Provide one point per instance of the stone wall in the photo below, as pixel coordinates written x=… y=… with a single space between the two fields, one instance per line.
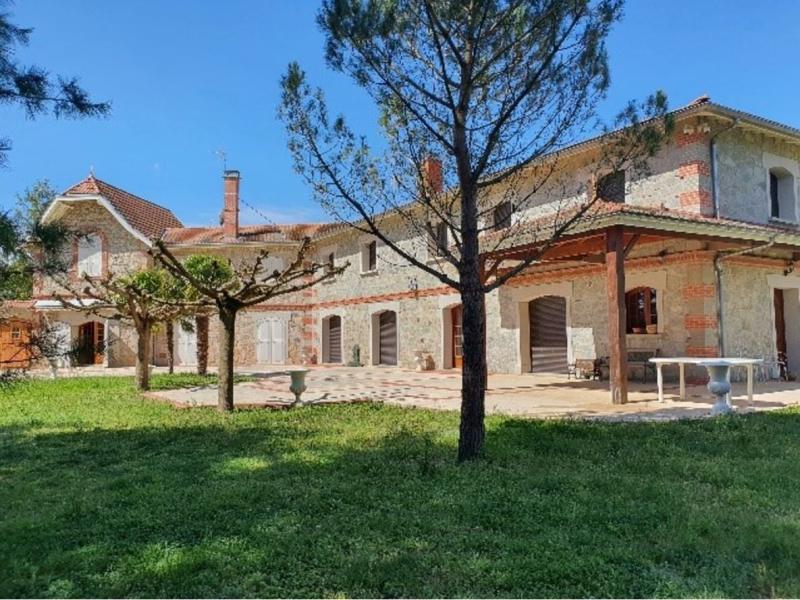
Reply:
x=123 y=253
x=743 y=175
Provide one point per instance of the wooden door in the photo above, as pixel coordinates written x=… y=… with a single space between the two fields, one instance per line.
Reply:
x=548 y=334
x=388 y=338
x=456 y=318
x=91 y=343
x=14 y=350
x=780 y=331
x=334 y=349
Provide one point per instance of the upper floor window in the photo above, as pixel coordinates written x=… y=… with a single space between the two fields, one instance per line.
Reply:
x=611 y=187
x=641 y=310
x=502 y=215
x=438 y=246
x=330 y=262
x=90 y=255
x=781 y=194
x=369 y=256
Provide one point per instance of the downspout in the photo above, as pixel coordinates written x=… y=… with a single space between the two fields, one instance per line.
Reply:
x=718 y=258
x=714 y=169
x=719 y=255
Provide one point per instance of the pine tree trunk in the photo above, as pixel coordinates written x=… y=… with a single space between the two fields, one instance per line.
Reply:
x=143 y=355
x=473 y=375
x=201 y=327
x=227 y=320
x=170 y=347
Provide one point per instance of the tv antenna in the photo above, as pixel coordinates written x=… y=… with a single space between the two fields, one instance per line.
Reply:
x=222 y=155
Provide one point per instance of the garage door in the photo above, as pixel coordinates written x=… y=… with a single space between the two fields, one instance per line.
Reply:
x=548 y=328
x=334 y=349
x=271 y=341
x=388 y=338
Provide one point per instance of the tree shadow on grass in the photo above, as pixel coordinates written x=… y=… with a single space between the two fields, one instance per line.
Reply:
x=299 y=508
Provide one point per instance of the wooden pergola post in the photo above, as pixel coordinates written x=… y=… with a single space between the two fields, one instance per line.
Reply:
x=615 y=279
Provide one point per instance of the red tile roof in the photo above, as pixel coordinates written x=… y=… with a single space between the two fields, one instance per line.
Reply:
x=146 y=217
x=247 y=233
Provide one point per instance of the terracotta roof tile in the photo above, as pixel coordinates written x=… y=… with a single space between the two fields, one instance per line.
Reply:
x=146 y=217
x=247 y=234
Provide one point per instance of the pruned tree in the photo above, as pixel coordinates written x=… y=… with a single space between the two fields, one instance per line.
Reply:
x=143 y=298
x=210 y=271
x=478 y=101
x=229 y=290
x=32 y=87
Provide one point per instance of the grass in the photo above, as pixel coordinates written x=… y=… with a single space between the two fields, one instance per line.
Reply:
x=167 y=381
x=105 y=494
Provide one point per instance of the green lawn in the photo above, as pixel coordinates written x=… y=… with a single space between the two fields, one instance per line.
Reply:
x=105 y=494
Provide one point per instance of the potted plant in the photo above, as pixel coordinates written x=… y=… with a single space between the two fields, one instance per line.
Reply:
x=652 y=328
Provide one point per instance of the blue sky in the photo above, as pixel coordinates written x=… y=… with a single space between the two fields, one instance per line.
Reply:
x=187 y=78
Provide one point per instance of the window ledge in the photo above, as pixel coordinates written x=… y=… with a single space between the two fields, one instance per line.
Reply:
x=780 y=221
x=369 y=273
x=645 y=335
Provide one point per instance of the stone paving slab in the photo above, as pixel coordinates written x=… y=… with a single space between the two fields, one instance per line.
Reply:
x=536 y=396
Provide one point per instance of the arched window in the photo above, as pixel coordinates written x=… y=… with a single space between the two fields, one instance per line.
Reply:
x=642 y=313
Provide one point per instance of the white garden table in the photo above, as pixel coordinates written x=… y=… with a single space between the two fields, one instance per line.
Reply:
x=709 y=363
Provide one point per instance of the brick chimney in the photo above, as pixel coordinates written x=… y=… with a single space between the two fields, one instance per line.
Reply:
x=432 y=174
x=230 y=210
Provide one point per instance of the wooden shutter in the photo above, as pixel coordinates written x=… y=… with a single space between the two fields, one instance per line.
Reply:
x=335 y=339
x=388 y=338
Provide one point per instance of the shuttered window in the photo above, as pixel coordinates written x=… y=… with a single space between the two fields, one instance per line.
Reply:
x=90 y=255
x=388 y=338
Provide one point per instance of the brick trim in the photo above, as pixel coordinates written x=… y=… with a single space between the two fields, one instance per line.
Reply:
x=694 y=168
x=702 y=351
x=696 y=198
x=694 y=322
x=698 y=291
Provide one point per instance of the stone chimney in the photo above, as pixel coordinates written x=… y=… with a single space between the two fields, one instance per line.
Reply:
x=432 y=174
x=230 y=210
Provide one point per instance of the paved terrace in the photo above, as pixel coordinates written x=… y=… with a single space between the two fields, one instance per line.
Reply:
x=537 y=396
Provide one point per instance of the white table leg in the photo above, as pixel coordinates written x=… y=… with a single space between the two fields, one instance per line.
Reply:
x=750 y=383
x=660 y=381
x=682 y=381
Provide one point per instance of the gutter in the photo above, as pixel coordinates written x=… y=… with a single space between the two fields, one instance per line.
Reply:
x=718 y=258
x=714 y=169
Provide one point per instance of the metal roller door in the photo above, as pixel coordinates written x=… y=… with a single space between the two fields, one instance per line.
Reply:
x=548 y=328
x=334 y=339
x=388 y=338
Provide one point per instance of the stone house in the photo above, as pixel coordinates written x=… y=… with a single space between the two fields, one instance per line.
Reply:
x=695 y=258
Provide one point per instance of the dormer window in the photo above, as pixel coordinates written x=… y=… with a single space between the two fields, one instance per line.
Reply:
x=781 y=194
x=611 y=187
x=502 y=215
x=90 y=255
